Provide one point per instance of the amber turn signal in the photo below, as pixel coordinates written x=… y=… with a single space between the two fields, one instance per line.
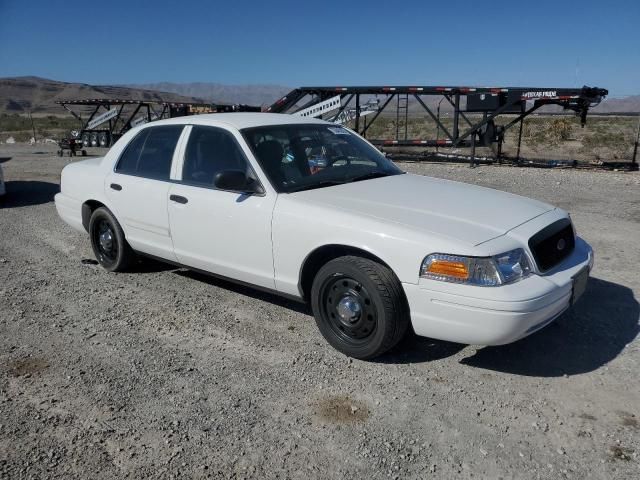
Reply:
x=449 y=268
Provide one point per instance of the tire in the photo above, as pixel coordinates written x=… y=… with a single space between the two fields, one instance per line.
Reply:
x=108 y=242
x=359 y=306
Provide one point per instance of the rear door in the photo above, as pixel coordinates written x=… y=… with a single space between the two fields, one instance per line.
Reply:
x=224 y=232
x=138 y=189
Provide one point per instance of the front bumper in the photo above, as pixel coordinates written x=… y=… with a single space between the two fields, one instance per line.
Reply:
x=495 y=315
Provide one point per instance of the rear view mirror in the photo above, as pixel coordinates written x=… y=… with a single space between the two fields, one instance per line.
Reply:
x=236 y=180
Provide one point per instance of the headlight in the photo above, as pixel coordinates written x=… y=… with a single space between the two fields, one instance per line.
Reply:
x=507 y=267
x=513 y=265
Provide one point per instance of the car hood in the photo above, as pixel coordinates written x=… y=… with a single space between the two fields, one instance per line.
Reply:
x=467 y=213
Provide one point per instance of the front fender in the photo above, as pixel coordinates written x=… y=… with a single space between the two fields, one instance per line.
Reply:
x=300 y=227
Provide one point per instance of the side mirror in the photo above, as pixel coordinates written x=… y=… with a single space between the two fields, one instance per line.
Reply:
x=236 y=180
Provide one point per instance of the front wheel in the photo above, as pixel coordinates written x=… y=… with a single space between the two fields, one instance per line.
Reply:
x=107 y=240
x=359 y=306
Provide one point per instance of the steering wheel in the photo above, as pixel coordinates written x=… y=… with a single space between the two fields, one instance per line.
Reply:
x=338 y=158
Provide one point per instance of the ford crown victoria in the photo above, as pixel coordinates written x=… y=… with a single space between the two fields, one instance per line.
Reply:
x=311 y=210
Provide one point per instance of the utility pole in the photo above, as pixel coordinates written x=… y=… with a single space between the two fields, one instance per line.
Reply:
x=635 y=147
x=519 y=143
x=33 y=127
x=438 y=125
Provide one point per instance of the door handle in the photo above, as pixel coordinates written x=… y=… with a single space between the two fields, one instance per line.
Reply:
x=178 y=199
x=115 y=186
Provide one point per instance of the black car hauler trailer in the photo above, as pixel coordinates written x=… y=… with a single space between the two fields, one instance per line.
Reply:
x=474 y=116
x=109 y=119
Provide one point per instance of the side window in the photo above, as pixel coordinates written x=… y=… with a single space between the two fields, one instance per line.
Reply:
x=150 y=153
x=210 y=151
x=128 y=162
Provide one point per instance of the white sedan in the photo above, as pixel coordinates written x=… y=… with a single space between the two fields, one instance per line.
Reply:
x=312 y=211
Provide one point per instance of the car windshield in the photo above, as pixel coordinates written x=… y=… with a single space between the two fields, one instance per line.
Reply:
x=306 y=156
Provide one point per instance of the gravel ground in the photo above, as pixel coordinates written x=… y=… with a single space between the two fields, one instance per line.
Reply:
x=164 y=373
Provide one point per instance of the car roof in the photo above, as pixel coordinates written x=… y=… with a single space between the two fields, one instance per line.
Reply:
x=238 y=120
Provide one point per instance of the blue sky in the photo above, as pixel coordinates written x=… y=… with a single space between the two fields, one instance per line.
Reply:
x=506 y=43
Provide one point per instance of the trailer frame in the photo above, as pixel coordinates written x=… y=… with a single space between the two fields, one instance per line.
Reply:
x=491 y=103
x=130 y=113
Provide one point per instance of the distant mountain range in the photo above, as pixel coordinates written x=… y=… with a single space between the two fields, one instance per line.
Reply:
x=625 y=104
x=38 y=95
x=23 y=94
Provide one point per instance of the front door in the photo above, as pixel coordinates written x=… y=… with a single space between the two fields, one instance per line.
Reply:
x=224 y=232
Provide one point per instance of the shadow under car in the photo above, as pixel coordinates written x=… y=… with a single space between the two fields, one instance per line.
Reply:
x=586 y=337
x=24 y=193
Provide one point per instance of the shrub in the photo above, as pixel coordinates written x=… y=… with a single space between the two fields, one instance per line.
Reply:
x=560 y=129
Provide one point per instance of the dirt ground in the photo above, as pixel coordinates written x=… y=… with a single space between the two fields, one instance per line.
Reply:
x=163 y=373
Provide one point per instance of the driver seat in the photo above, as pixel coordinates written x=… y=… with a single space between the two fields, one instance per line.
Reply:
x=270 y=153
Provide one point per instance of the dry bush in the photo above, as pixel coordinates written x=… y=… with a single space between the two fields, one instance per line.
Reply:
x=559 y=129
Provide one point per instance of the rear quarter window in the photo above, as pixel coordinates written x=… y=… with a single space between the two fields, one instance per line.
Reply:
x=150 y=153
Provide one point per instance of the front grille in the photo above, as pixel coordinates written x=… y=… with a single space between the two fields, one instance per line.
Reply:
x=552 y=244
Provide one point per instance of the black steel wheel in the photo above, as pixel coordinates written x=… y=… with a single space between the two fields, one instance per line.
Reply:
x=346 y=304
x=108 y=242
x=359 y=306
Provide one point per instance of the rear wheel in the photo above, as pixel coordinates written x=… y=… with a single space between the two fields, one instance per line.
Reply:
x=359 y=306
x=107 y=240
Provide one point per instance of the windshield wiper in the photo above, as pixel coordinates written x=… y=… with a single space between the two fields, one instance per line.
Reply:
x=370 y=175
x=330 y=183
x=311 y=186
